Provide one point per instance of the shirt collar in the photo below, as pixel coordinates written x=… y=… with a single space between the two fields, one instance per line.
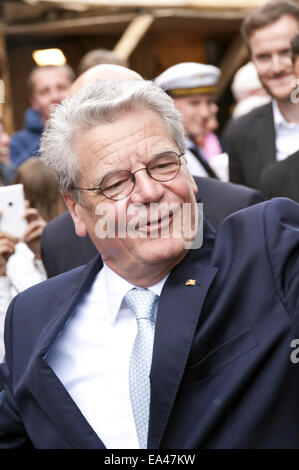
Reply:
x=117 y=287
x=189 y=143
x=278 y=118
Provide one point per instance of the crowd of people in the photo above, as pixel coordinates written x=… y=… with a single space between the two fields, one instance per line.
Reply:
x=153 y=341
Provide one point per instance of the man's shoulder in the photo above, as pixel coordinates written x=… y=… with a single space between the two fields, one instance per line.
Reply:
x=57 y=284
x=60 y=223
x=210 y=185
x=284 y=171
x=267 y=219
x=32 y=125
x=289 y=163
x=230 y=198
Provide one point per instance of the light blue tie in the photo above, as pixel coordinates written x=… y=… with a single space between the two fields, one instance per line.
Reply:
x=142 y=302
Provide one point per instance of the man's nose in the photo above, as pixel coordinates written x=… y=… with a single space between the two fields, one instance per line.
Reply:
x=146 y=188
x=205 y=110
x=57 y=95
x=277 y=63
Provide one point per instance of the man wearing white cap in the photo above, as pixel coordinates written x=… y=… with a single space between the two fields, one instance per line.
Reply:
x=192 y=86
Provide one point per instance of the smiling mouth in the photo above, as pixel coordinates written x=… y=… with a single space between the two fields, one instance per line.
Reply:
x=282 y=76
x=155 y=224
x=160 y=223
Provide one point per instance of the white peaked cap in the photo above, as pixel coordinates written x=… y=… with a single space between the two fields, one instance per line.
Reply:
x=189 y=78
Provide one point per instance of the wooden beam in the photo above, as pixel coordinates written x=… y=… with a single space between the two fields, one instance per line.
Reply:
x=207 y=4
x=133 y=35
x=231 y=62
x=6 y=105
x=114 y=22
x=70 y=26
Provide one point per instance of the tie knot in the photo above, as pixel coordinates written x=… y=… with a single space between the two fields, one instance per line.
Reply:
x=142 y=302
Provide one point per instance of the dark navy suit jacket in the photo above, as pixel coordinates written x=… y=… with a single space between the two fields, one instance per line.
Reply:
x=250 y=142
x=221 y=373
x=281 y=178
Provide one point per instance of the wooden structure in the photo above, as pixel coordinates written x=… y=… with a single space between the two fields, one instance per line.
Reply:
x=151 y=34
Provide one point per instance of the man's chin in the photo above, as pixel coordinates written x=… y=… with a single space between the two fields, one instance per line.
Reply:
x=280 y=92
x=155 y=251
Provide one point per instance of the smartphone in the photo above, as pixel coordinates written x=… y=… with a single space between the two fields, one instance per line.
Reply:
x=12 y=208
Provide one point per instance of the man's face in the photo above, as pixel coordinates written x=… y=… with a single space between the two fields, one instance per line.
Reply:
x=129 y=144
x=50 y=87
x=271 y=53
x=296 y=66
x=4 y=145
x=196 y=112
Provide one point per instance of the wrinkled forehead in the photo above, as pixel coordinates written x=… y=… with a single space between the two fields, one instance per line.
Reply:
x=132 y=135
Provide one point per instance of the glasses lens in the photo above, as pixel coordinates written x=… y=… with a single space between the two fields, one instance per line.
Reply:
x=165 y=166
x=117 y=185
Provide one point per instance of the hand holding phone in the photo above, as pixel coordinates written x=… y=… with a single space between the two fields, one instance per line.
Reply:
x=12 y=209
x=7 y=248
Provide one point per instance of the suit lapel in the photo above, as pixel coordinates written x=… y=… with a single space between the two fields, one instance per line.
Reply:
x=178 y=314
x=177 y=318
x=266 y=136
x=44 y=384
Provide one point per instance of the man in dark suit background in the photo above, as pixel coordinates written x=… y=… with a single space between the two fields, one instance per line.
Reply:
x=63 y=250
x=219 y=341
x=281 y=178
x=270 y=132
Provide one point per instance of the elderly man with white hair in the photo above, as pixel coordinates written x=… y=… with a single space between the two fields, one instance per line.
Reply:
x=163 y=341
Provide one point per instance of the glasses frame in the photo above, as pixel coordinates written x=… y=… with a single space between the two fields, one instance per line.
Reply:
x=98 y=188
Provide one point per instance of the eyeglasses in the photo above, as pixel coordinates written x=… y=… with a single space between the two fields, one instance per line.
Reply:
x=120 y=184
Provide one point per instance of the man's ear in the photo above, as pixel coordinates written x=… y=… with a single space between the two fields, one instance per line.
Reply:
x=189 y=177
x=75 y=209
x=193 y=184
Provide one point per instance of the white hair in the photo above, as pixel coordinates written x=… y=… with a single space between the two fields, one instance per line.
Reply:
x=102 y=101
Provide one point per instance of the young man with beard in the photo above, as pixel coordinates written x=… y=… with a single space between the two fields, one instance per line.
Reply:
x=269 y=133
x=281 y=178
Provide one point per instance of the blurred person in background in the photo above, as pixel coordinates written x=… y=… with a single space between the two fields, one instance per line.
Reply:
x=20 y=260
x=7 y=169
x=247 y=90
x=209 y=142
x=270 y=132
x=281 y=178
x=47 y=87
x=192 y=87
x=98 y=57
x=41 y=188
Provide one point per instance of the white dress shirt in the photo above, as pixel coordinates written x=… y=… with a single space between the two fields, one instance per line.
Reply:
x=92 y=356
x=193 y=164
x=286 y=134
